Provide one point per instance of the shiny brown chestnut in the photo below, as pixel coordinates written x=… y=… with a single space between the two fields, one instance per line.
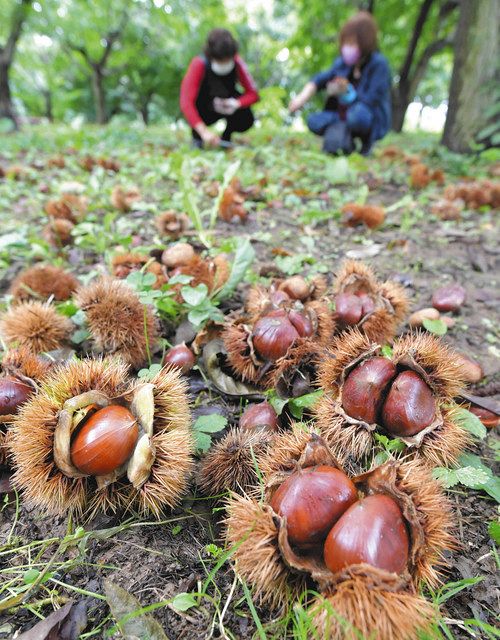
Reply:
x=177 y=255
x=13 y=393
x=181 y=357
x=349 y=308
x=105 y=442
x=364 y=388
x=409 y=406
x=302 y=322
x=312 y=500
x=296 y=287
x=259 y=416
x=273 y=335
x=448 y=298
x=488 y=418
x=371 y=531
x=367 y=304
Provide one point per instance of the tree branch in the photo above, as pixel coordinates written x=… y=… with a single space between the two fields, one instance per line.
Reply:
x=111 y=38
x=423 y=14
x=427 y=54
x=19 y=16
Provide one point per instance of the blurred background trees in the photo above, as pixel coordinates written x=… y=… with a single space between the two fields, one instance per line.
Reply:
x=61 y=59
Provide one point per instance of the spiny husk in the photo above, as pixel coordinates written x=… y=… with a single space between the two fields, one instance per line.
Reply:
x=392 y=303
x=230 y=464
x=252 y=532
x=434 y=512
x=258 y=297
x=43 y=281
x=57 y=232
x=124 y=263
x=286 y=450
x=357 y=609
x=439 y=362
x=212 y=273
x=349 y=443
x=172 y=224
x=173 y=440
x=236 y=336
x=32 y=434
x=123 y=198
x=36 y=326
x=344 y=348
x=444 y=445
x=116 y=319
x=302 y=358
x=23 y=362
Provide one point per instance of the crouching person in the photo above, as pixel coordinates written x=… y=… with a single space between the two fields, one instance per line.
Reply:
x=358 y=87
x=209 y=91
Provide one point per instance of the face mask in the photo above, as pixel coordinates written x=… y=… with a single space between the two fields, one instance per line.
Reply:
x=350 y=54
x=222 y=68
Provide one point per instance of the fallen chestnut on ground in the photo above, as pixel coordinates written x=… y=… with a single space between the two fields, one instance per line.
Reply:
x=370 y=566
x=92 y=439
x=448 y=298
x=180 y=357
x=259 y=416
x=408 y=394
x=282 y=293
x=13 y=393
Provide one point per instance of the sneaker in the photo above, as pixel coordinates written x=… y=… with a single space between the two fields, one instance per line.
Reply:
x=196 y=144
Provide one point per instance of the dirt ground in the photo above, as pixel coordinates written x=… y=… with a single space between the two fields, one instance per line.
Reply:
x=155 y=562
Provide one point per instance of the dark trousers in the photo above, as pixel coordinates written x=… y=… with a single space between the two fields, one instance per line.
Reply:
x=358 y=121
x=241 y=120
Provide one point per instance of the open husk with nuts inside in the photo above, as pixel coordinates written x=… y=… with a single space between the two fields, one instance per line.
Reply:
x=21 y=373
x=375 y=308
x=94 y=440
x=366 y=551
x=408 y=394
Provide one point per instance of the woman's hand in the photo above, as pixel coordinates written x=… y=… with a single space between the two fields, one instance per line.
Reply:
x=210 y=138
x=299 y=101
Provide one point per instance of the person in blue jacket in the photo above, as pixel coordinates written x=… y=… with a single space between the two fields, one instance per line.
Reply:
x=358 y=87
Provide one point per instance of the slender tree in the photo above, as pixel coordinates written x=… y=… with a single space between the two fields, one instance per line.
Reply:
x=7 y=53
x=475 y=73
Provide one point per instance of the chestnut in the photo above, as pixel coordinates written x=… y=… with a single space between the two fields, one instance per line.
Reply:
x=364 y=388
x=180 y=357
x=302 y=322
x=105 y=442
x=312 y=500
x=259 y=416
x=278 y=298
x=371 y=531
x=349 y=308
x=177 y=255
x=13 y=393
x=488 y=418
x=273 y=335
x=367 y=304
x=296 y=288
x=448 y=298
x=409 y=406
x=471 y=371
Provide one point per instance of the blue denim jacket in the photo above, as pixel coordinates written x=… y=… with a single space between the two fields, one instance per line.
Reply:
x=374 y=88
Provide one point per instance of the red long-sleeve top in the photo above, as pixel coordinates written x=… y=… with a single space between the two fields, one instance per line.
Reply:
x=191 y=83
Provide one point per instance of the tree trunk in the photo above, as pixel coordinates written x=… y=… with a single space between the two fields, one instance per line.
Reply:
x=99 y=94
x=47 y=96
x=6 y=106
x=474 y=70
x=145 y=113
x=400 y=103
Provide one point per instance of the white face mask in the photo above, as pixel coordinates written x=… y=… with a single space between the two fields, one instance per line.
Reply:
x=222 y=68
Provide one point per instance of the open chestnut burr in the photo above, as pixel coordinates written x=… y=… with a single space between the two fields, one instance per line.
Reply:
x=376 y=308
x=408 y=395
x=260 y=348
x=376 y=538
x=94 y=440
x=21 y=372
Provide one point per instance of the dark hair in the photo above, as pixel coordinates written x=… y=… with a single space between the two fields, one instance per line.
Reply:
x=363 y=28
x=220 y=44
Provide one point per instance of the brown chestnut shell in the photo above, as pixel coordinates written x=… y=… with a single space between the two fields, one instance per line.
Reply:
x=409 y=407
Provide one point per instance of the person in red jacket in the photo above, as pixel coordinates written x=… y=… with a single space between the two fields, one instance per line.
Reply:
x=209 y=91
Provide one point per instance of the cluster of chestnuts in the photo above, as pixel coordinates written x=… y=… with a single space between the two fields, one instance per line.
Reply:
x=366 y=542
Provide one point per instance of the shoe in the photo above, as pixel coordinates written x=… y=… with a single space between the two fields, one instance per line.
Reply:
x=226 y=144
x=196 y=144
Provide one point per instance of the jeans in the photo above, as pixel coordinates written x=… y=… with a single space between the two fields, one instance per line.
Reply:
x=359 y=119
x=241 y=120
